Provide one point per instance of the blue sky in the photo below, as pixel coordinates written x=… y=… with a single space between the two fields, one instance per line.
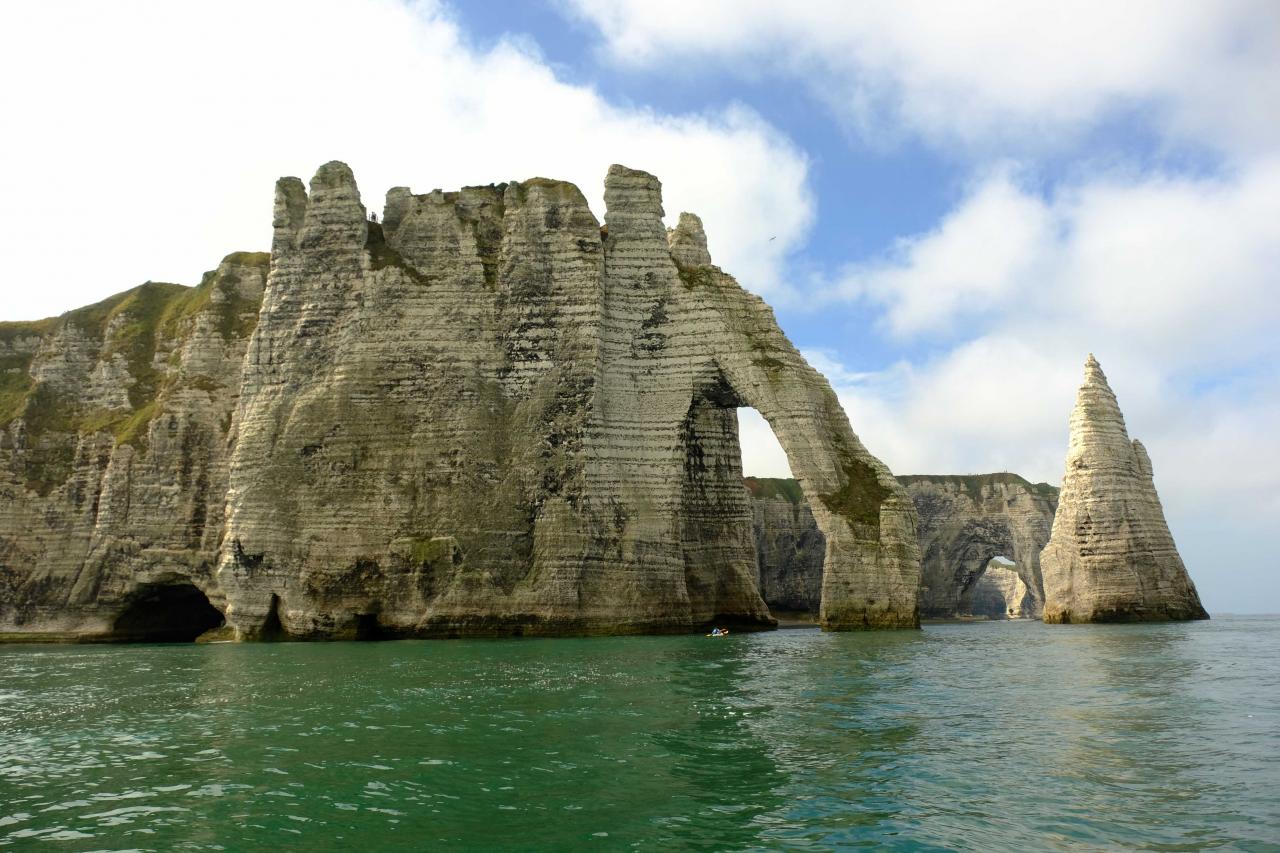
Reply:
x=965 y=199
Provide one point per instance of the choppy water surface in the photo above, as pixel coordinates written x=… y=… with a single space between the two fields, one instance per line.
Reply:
x=979 y=736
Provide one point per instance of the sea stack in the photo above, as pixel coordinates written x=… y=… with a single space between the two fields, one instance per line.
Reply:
x=1110 y=556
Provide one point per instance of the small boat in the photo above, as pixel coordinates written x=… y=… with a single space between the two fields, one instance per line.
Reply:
x=723 y=633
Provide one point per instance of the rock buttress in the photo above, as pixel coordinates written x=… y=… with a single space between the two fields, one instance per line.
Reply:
x=1111 y=557
x=113 y=450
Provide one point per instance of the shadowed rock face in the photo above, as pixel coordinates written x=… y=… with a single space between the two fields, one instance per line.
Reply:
x=789 y=547
x=488 y=415
x=999 y=593
x=964 y=522
x=1111 y=557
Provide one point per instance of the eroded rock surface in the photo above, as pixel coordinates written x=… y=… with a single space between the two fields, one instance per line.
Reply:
x=113 y=453
x=487 y=415
x=999 y=593
x=1111 y=557
x=789 y=547
x=964 y=523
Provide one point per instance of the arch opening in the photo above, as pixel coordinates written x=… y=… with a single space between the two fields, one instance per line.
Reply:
x=790 y=549
x=166 y=613
x=997 y=591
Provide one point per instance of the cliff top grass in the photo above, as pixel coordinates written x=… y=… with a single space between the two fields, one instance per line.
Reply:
x=132 y=324
x=774 y=487
x=972 y=484
x=17 y=350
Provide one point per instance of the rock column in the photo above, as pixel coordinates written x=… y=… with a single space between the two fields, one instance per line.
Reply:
x=1110 y=557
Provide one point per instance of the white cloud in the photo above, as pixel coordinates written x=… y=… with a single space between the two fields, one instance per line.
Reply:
x=1175 y=273
x=972 y=263
x=981 y=71
x=143 y=139
x=1171 y=281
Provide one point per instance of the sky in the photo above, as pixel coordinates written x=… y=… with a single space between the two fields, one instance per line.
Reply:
x=948 y=205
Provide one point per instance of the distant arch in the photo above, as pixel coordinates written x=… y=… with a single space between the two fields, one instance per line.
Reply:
x=997 y=591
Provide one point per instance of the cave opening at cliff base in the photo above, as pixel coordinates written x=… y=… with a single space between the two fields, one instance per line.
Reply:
x=165 y=612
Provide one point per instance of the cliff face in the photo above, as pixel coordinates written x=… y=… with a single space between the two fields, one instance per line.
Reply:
x=492 y=415
x=964 y=523
x=1111 y=557
x=113 y=451
x=486 y=415
x=789 y=547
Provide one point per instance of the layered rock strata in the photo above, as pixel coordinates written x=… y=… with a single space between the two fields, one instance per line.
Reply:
x=113 y=454
x=789 y=547
x=999 y=593
x=965 y=522
x=487 y=415
x=1111 y=557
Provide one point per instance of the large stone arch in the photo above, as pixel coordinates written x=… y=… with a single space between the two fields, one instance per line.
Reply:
x=965 y=521
x=871 y=572
x=494 y=416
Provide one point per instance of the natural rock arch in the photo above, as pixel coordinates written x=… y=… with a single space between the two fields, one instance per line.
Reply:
x=966 y=521
x=998 y=591
x=486 y=415
x=728 y=343
x=494 y=416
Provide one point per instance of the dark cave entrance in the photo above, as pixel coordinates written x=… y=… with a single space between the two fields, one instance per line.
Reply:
x=165 y=613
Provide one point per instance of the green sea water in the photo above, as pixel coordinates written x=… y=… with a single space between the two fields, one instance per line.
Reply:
x=988 y=736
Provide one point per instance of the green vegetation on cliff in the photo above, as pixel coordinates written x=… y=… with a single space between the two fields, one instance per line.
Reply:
x=775 y=487
x=140 y=327
x=973 y=484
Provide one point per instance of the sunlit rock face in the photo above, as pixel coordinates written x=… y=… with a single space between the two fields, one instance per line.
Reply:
x=1111 y=557
x=114 y=421
x=492 y=415
x=487 y=414
x=965 y=522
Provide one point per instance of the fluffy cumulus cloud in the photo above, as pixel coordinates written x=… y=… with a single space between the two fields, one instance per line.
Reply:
x=143 y=139
x=973 y=72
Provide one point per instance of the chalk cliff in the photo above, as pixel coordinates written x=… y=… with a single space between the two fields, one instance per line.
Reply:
x=967 y=521
x=1111 y=557
x=486 y=415
x=964 y=523
x=113 y=453
x=789 y=547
